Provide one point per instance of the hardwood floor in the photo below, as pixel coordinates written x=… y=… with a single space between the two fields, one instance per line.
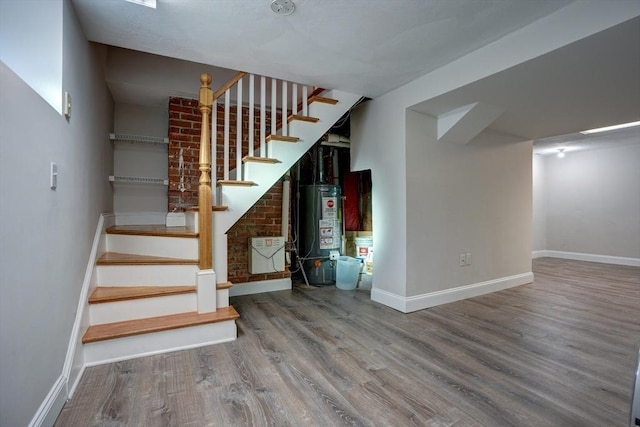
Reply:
x=558 y=352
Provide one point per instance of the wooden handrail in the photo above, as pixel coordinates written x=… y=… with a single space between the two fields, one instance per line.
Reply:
x=205 y=244
x=230 y=83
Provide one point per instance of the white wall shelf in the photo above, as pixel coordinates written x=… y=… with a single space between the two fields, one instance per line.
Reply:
x=138 y=180
x=138 y=139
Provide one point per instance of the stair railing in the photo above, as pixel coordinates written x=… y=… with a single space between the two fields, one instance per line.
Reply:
x=205 y=245
x=258 y=102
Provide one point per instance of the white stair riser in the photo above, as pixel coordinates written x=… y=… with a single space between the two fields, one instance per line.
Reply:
x=172 y=247
x=222 y=298
x=147 y=275
x=119 y=311
x=159 y=342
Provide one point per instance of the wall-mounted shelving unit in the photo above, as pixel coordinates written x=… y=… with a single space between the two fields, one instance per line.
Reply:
x=138 y=139
x=137 y=180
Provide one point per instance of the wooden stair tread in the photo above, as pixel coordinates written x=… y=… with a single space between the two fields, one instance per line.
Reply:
x=152 y=230
x=282 y=138
x=224 y=285
x=103 y=294
x=247 y=159
x=156 y=324
x=116 y=258
x=309 y=119
x=236 y=183
x=322 y=99
x=213 y=208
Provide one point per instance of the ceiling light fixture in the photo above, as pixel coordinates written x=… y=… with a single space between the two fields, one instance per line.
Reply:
x=147 y=3
x=607 y=128
x=560 y=153
x=283 y=7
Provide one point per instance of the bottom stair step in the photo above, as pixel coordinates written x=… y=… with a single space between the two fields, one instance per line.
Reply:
x=129 y=328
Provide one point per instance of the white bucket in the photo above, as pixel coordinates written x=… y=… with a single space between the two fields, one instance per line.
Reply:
x=364 y=251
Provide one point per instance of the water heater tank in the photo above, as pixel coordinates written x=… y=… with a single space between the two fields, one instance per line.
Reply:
x=321 y=230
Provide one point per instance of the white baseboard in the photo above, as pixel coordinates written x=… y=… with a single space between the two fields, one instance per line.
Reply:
x=538 y=254
x=259 y=287
x=577 y=256
x=52 y=405
x=140 y=218
x=74 y=360
x=432 y=299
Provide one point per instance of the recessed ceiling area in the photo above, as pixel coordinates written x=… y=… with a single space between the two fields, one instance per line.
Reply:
x=590 y=83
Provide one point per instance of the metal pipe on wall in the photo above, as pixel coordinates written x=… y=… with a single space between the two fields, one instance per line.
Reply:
x=285 y=212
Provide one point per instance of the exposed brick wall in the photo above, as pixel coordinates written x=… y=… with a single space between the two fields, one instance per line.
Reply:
x=263 y=219
x=184 y=134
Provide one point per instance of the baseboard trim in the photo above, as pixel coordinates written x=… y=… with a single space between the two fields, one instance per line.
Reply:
x=250 y=288
x=52 y=405
x=578 y=256
x=74 y=360
x=539 y=254
x=432 y=299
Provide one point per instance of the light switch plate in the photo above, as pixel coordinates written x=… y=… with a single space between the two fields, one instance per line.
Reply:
x=53 y=177
x=66 y=106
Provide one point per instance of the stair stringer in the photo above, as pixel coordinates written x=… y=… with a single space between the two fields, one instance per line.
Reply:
x=240 y=199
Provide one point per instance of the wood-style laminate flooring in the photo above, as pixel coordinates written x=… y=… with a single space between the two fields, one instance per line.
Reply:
x=558 y=352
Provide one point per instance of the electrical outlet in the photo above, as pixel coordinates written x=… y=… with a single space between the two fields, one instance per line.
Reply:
x=463 y=260
x=468 y=258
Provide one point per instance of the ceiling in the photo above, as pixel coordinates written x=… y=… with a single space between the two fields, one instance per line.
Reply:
x=370 y=47
x=591 y=83
x=367 y=47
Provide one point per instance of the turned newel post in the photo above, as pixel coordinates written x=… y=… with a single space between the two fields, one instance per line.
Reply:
x=204 y=189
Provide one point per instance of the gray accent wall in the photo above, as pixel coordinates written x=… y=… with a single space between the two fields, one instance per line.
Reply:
x=46 y=235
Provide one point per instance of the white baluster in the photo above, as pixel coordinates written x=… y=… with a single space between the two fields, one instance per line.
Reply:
x=263 y=118
x=227 y=96
x=294 y=98
x=239 y=132
x=251 y=99
x=285 y=111
x=274 y=106
x=305 y=101
x=214 y=145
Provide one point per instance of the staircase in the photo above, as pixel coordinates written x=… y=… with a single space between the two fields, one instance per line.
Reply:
x=155 y=291
x=146 y=301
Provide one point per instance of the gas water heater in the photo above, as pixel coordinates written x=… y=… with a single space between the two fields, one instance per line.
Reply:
x=321 y=231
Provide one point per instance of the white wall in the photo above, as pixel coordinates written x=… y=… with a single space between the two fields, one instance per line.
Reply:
x=140 y=160
x=34 y=27
x=473 y=198
x=539 y=204
x=380 y=147
x=379 y=142
x=46 y=234
x=593 y=201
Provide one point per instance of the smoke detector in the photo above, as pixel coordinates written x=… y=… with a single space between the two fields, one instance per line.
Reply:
x=283 y=7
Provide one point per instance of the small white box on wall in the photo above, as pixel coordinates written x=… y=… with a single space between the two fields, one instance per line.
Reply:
x=266 y=254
